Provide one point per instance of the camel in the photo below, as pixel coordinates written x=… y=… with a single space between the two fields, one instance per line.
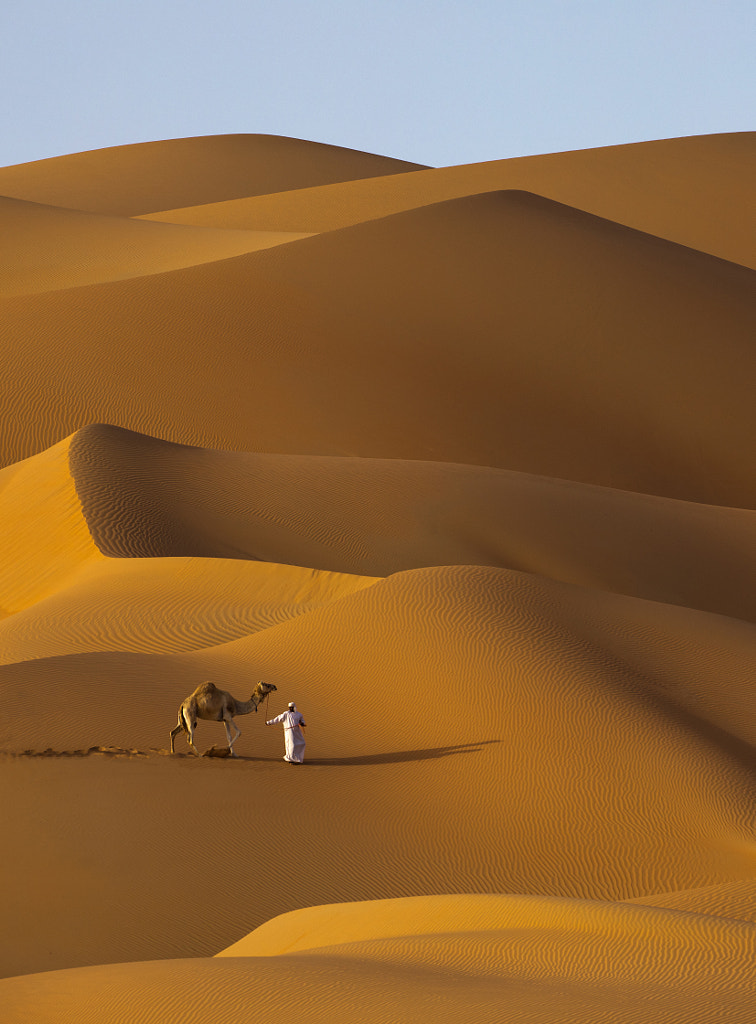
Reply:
x=214 y=705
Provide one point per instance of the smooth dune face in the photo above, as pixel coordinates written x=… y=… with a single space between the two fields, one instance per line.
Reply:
x=468 y=475
x=150 y=176
x=47 y=248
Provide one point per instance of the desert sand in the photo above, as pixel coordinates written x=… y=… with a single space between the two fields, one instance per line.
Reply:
x=460 y=459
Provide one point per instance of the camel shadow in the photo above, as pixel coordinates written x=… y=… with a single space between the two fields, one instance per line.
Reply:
x=392 y=756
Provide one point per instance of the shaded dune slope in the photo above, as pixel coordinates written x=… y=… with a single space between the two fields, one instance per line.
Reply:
x=46 y=248
x=150 y=176
x=696 y=191
x=466 y=317
x=202 y=532
x=431 y=690
x=454 y=959
x=145 y=497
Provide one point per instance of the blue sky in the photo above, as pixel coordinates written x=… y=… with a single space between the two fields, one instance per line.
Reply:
x=438 y=83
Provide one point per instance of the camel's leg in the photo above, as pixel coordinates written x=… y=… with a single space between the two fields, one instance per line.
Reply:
x=190 y=736
x=174 y=734
x=231 y=724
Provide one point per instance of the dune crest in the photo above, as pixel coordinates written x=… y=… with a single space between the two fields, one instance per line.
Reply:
x=143 y=496
x=150 y=176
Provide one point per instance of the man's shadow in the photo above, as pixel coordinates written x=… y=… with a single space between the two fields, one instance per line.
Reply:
x=390 y=757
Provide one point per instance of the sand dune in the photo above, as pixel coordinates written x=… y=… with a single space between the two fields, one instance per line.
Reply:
x=183 y=604
x=177 y=515
x=695 y=191
x=460 y=958
x=45 y=537
x=143 y=496
x=47 y=248
x=467 y=318
x=467 y=474
x=150 y=176
x=427 y=691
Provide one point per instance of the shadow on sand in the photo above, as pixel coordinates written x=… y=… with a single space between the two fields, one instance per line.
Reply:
x=398 y=756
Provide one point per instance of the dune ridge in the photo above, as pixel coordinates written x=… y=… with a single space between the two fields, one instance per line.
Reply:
x=375 y=517
x=483 y=936
x=460 y=460
x=695 y=191
x=148 y=176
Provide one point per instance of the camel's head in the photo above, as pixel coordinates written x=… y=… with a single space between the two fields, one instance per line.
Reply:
x=265 y=688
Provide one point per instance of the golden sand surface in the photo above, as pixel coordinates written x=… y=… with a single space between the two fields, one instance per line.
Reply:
x=460 y=460
x=46 y=248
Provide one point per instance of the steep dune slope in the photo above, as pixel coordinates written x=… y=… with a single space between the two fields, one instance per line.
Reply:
x=149 y=176
x=445 y=333
x=189 y=520
x=45 y=537
x=697 y=191
x=45 y=247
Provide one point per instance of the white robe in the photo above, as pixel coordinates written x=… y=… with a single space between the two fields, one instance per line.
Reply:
x=293 y=736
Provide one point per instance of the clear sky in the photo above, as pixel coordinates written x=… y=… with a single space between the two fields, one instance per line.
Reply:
x=441 y=82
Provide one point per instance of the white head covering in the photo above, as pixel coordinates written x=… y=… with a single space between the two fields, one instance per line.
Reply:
x=292 y=706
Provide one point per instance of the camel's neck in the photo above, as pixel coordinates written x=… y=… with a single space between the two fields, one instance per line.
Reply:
x=243 y=707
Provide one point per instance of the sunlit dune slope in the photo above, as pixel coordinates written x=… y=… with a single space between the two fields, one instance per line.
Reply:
x=697 y=191
x=147 y=497
x=541 y=709
x=152 y=176
x=475 y=916
x=45 y=247
x=500 y=330
x=446 y=958
x=597 y=744
x=45 y=537
x=166 y=604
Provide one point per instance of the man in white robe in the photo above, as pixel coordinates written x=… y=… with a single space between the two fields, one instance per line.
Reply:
x=294 y=740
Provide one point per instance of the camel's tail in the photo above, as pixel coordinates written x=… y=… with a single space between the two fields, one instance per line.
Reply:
x=182 y=720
